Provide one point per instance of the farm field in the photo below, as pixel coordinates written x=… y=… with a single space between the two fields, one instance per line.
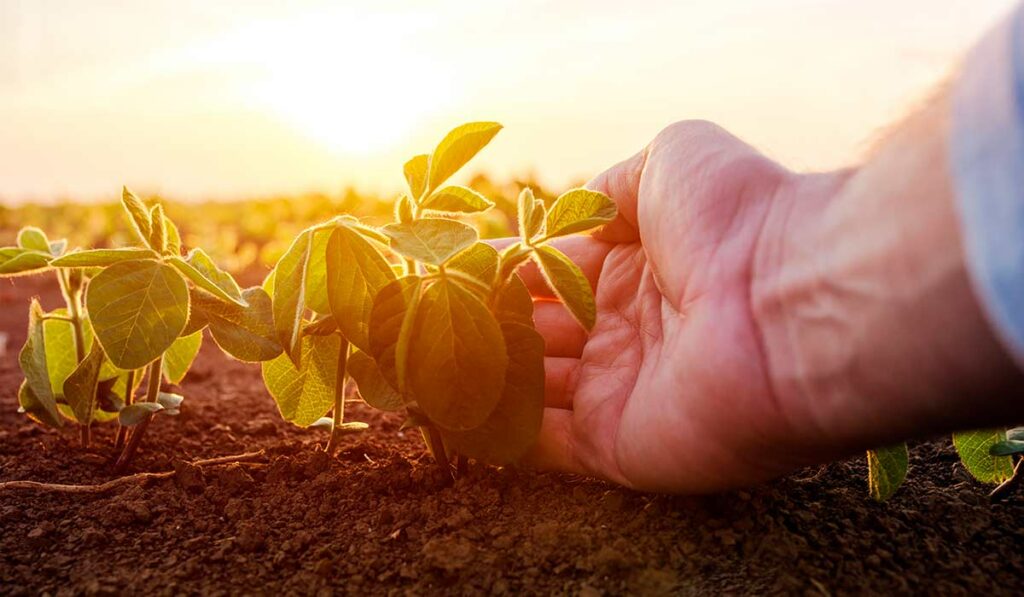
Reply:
x=380 y=517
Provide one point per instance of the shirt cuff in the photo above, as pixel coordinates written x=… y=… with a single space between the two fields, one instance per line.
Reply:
x=987 y=162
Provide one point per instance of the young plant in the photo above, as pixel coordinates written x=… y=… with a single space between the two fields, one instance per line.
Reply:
x=143 y=313
x=423 y=316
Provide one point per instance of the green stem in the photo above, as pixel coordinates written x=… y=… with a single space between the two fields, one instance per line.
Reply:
x=152 y=391
x=129 y=398
x=73 y=300
x=339 y=397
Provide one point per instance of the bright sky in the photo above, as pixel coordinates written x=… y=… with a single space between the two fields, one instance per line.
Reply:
x=200 y=99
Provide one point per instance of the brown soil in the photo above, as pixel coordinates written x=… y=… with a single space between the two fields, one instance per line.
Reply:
x=379 y=519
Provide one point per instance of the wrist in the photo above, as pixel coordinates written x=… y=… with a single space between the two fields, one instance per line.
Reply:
x=871 y=331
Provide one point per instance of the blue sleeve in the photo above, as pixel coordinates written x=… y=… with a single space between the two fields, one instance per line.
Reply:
x=987 y=162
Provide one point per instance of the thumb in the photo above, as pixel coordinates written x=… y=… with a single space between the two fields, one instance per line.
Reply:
x=621 y=182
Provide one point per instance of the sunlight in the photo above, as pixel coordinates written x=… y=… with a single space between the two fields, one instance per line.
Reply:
x=349 y=84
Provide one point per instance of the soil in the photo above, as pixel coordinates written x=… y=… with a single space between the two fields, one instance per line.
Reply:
x=378 y=518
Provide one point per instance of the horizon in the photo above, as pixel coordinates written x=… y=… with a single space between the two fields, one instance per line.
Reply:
x=195 y=102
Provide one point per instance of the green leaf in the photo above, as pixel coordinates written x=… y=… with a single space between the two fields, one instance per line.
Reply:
x=393 y=313
x=316 y=273
x=479 y=261
x=197 y=320
x=158 y=233
x=61 y=353
x=173 y=238
x=514 y=302
x=356 y=272
x=36 y=409
x=21 y=261
x=456 y=199
x=133 y=414
x=430 y=240
x=290 y=295
x=102 y=257
x=138 y=214
x=887 y=468
x=80 y=386
x=247 y=334
x=514 y=426
x=578 y=210
x=205 y=274
x=180 y=355
x=39 y=393
x=31 y=238
x=138 y=309
x=57 y=247
x=416 y=175
x=458 y=147
x=321 y=327
x=403 y=209
x=529 y=214
x=1007 y=448
x=457 y=358
x=170 y=401
x=974 y=446
x=306 y=393
x=569 y=284
x=374 y=389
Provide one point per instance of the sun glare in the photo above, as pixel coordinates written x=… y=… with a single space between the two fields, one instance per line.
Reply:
x=349 y=84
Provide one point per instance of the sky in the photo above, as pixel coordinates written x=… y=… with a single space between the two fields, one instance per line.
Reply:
x=221 y=100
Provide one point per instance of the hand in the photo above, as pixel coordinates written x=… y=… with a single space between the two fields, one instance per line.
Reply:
x=670 y=391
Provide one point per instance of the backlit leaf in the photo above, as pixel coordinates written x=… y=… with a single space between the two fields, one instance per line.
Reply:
x=58 y=247
x=458 y=147
x=102 y=257
x=321 y=327
x=514 y=425
x=416 y=174
x=61 y=353
x=456 y=199
x=356 y=272
x=569 y=284
x=290 y=295
x=394 y=309
x=374 y=389
x=247 y=334
x=480 y=261
x=514 y=302
x=887 y=468
x=33 y=239
x=403 y=209
x=316 y=273
x=138 y=214
x=80 y=386
x=529 y=214
x=305 y=394
x=22 y=261
x=138 y=309
x=36 y=409
x=457 y=358
x=158 y=231
x=173 y=238
x=180 y=355
x=974 y=446
x=204 y=273
x=39 y=393
x=430 y=240
x=578 y=210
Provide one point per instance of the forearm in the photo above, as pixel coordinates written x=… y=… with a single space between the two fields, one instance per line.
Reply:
x=872 y=331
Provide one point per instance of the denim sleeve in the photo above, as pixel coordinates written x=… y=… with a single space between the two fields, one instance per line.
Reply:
x=987 y=162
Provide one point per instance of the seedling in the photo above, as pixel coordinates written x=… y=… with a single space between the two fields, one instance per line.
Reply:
x=143 y=312
x=424 y=317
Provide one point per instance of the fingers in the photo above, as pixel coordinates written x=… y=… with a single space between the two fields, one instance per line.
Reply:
x=563 y=335
x=555 y=447
x=621 y=182
x=560 y=377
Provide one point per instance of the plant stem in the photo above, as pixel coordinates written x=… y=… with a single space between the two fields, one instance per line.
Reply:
x=339 y=397
x=152 y=391
x=129 y=398
x=73 y=300
x=436 y=445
